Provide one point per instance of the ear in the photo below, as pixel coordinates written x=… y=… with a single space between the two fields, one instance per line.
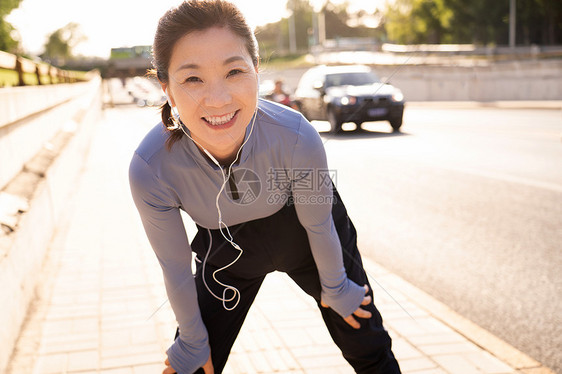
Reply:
x=165 y=88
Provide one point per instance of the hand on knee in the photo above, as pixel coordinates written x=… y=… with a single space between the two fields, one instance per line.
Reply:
x=360 y=312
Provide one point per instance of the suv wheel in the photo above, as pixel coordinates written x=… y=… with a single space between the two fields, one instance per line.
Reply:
x=335 y=122
x=396 y=123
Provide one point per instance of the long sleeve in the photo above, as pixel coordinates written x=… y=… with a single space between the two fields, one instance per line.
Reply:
x=166 y=233
x=312 y=194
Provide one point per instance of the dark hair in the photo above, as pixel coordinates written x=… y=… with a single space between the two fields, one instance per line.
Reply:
x=190 y=16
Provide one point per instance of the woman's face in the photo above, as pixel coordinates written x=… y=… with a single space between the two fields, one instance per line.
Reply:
x=214 y=85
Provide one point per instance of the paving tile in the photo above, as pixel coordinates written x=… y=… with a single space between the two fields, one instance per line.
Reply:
x=403 y=350
x=82 y=361
x=456 y=364
x=419 y=327
x=85 y=324
x=330 y=370
x=109 y=352
x=437 y=338
x=487 y=363
x=317 y=350
x=125 y=370
x=57 y=328
x=293 y=337
x=319 y=334
x=428 y=371
x=420 y=363
x=441 y=349
x=143 y=334
x=322 y=361
x=289 y=359
x=65 y=345
x=131 y=360
x=276 y=361
x=148 y=369
x=260 y=362
x=51 y=364
x=241 y=364
x=115 y=338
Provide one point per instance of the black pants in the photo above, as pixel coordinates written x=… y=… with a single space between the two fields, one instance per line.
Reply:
x=279 y=242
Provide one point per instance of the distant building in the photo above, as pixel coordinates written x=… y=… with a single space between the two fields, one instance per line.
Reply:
x=129 y=61
x=142 y=51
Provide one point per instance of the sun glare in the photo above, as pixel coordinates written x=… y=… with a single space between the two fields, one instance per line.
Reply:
x=108 y=24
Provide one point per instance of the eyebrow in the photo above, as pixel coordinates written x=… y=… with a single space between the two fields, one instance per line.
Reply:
x=226 y=62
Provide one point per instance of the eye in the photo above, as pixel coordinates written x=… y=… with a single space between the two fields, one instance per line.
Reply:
x=192 y=79
x=234 y=72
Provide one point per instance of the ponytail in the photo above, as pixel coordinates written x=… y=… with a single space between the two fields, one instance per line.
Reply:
x=174 y=133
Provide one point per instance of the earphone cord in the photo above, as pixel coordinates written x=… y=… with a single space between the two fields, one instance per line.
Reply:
x=229 y=238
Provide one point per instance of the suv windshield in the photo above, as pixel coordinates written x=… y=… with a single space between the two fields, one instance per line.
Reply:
x=351 y=79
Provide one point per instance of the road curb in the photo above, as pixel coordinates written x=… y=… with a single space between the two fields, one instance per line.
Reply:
x=519 y=104
x=471 y=331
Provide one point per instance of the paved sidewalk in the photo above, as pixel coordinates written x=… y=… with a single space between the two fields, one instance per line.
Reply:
x=105 y=311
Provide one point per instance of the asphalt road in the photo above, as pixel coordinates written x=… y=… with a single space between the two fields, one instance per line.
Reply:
x=466 y=204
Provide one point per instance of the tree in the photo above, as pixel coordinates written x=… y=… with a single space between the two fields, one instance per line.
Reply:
x=275 y=36
x=479 y=21
x=60 y=43
x=419 y=21
x=473 y=21
x=7 y=41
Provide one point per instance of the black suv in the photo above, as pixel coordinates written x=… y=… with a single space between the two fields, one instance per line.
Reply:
x=350 y=93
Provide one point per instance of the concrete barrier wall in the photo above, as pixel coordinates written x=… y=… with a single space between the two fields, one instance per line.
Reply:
x=30 y=117
x=27 y=247
x=19 y=102
x=516 y=80
x=540 y=80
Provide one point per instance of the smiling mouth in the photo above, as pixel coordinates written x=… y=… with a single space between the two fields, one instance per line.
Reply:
x=220 y=120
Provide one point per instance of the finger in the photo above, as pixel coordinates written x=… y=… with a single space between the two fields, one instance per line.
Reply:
x=167 y=362
x=362 y=313
x=352 y=322
x=208 y=367
x=324 y=305
x=367 y=300
x=169 y=370
x=366 y=287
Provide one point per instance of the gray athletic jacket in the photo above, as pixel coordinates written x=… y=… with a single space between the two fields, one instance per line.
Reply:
x=285 y=156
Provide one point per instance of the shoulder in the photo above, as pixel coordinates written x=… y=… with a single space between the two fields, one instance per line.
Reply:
x=283 y=122
x=153 y=144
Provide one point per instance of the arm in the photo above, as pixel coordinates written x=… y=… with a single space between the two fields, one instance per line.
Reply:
x=165 y=231
x=313 y=195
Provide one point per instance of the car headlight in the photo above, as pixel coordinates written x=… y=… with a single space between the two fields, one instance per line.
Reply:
x=348 y=100
x=397 y=96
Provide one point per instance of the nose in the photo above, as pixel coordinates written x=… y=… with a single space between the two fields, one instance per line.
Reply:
x=217 y=95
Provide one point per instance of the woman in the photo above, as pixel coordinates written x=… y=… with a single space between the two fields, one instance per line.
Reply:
x=249 y=173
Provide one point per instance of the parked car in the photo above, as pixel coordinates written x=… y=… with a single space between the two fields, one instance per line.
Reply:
x=350 y=93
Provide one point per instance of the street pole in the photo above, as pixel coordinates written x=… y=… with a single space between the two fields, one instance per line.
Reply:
x=321 y=27
x=292 y=32
x=512 y=23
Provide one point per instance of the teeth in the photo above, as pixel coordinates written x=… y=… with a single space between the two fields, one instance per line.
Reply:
x=215 y=121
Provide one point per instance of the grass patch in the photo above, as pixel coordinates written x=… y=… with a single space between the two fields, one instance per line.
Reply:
x=9 y=78
x=286 y=62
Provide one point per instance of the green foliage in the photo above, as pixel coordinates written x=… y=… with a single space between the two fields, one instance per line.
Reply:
x=274 y=38
x=7 y=41
x=60 y=43
x=473 y=21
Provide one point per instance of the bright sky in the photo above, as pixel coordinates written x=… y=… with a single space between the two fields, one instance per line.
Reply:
x=125 y=23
